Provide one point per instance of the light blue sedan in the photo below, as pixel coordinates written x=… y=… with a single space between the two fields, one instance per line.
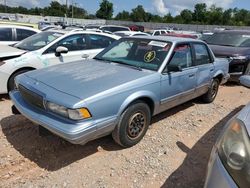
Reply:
x=120 y=89
x=229 y=164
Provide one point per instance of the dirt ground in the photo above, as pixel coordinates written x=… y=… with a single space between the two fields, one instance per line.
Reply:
x=174 y=152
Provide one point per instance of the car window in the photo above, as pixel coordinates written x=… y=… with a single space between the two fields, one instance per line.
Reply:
x=163 y=32
x=99 y=41
x=72 y=43
x=157 y=33
x=141 y=53
x=23 y=33
x=38 y=40
x=182 y=56
x=201 y=54
x=6 y=34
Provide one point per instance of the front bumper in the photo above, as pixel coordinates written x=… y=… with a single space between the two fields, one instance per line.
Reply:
x=217 y=175
x=225 y=78
x=76 y=133
x=4 y=77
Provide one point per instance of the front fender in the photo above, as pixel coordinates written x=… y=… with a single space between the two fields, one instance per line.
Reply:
x=135 y=96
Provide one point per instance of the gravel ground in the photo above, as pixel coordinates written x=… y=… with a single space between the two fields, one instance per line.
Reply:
x=174 y=152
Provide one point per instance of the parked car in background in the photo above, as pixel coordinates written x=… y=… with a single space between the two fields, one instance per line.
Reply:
x=230 y=158
x=172 y=34
x=113 y=28
x=11 y=34
x=205 y=35
x=120 y=89
x=157 y=32
x=50 y=48
x=234 y=45
x=43 y=24
x=130 y=33
x=136 y=28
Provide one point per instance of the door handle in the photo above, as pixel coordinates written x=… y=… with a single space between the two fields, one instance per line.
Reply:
x=211 y=70
x=191 y=75
x=85 y=56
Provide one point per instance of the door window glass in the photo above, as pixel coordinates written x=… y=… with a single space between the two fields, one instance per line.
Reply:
x=23 y=33
x=182 y=56
x=5 y=34
x=201 y=54
x=99 y=41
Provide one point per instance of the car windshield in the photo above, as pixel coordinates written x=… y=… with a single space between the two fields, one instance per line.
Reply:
x=138 y=53
x=38 y=41
x=229 y=39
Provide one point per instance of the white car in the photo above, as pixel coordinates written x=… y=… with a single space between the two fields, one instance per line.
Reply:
x=50 y=48
x=158 y=32
x=130 y=33
x=11 y=34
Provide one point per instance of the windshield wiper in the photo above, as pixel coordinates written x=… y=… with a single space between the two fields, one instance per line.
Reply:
x=128 y=65
x=104 y=60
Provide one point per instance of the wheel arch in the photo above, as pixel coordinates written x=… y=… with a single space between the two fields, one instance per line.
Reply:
x=17 y=70
x=149 y=98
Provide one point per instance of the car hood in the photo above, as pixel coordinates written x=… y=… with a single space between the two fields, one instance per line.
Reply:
x=228 y=51
x=84 y=79
x=8 y=52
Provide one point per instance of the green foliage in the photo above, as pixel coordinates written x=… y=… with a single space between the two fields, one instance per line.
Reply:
x=106 y=10
x=201 y=14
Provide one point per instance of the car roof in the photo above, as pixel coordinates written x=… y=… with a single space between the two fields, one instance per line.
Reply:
x=114 y=26
x=18 y=27
x=235 y=31
x=82 y=32
x=168 y=39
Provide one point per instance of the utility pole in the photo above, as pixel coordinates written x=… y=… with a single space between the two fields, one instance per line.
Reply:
x=72 y=10
x=5 y=5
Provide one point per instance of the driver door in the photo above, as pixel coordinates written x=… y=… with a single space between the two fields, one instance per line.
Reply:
x=178 y=86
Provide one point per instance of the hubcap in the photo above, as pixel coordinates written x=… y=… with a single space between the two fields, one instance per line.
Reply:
x=136 y=125
x=214 y=89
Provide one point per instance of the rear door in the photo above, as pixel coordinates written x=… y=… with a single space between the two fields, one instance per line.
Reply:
x=178 y=87
x=204 y=62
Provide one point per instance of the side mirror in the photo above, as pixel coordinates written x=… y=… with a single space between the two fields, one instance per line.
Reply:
x=174 y=68
x=245 y=80
x=61 y=50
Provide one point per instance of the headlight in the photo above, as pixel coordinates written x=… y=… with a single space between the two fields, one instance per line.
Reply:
x=234 y=151
x=74 y=114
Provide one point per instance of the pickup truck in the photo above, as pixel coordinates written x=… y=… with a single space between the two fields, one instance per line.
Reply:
x=119 y=90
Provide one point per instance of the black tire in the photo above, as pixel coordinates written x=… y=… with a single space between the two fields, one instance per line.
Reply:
x=11 y=82
x=212 y=91
x=133 y=124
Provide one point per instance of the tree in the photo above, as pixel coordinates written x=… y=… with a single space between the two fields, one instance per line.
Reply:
x=124 y=15
x=168 y=18
x=215 y=15
x=227 y=18
x=186 y=16
x=138 y=14
x=105 y=11
x=200 y=13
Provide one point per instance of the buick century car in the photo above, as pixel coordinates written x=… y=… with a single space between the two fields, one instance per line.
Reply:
x=229 y=164
x=120 y=89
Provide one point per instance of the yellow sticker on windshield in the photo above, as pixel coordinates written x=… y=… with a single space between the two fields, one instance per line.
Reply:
x=149 y=56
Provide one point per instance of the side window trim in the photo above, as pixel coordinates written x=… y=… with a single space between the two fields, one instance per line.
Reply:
x=208 y=52
x=192 y=57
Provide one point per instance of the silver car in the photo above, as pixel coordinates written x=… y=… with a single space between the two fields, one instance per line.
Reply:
x=120 y=89
x=229 y=164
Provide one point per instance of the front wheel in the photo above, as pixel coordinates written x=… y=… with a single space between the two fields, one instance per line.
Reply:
x=212 y=91
x=133 y=124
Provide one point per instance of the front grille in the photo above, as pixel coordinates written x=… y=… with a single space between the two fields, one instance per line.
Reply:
x=31 y=97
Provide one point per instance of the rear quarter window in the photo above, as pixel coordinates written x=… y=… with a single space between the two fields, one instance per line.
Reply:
x=6 y=34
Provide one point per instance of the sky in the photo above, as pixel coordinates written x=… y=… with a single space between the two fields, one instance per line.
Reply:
x=160 y=7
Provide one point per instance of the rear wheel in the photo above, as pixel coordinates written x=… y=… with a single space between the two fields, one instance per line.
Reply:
x=133 y=124
x=212 y=91
x=11 y=83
